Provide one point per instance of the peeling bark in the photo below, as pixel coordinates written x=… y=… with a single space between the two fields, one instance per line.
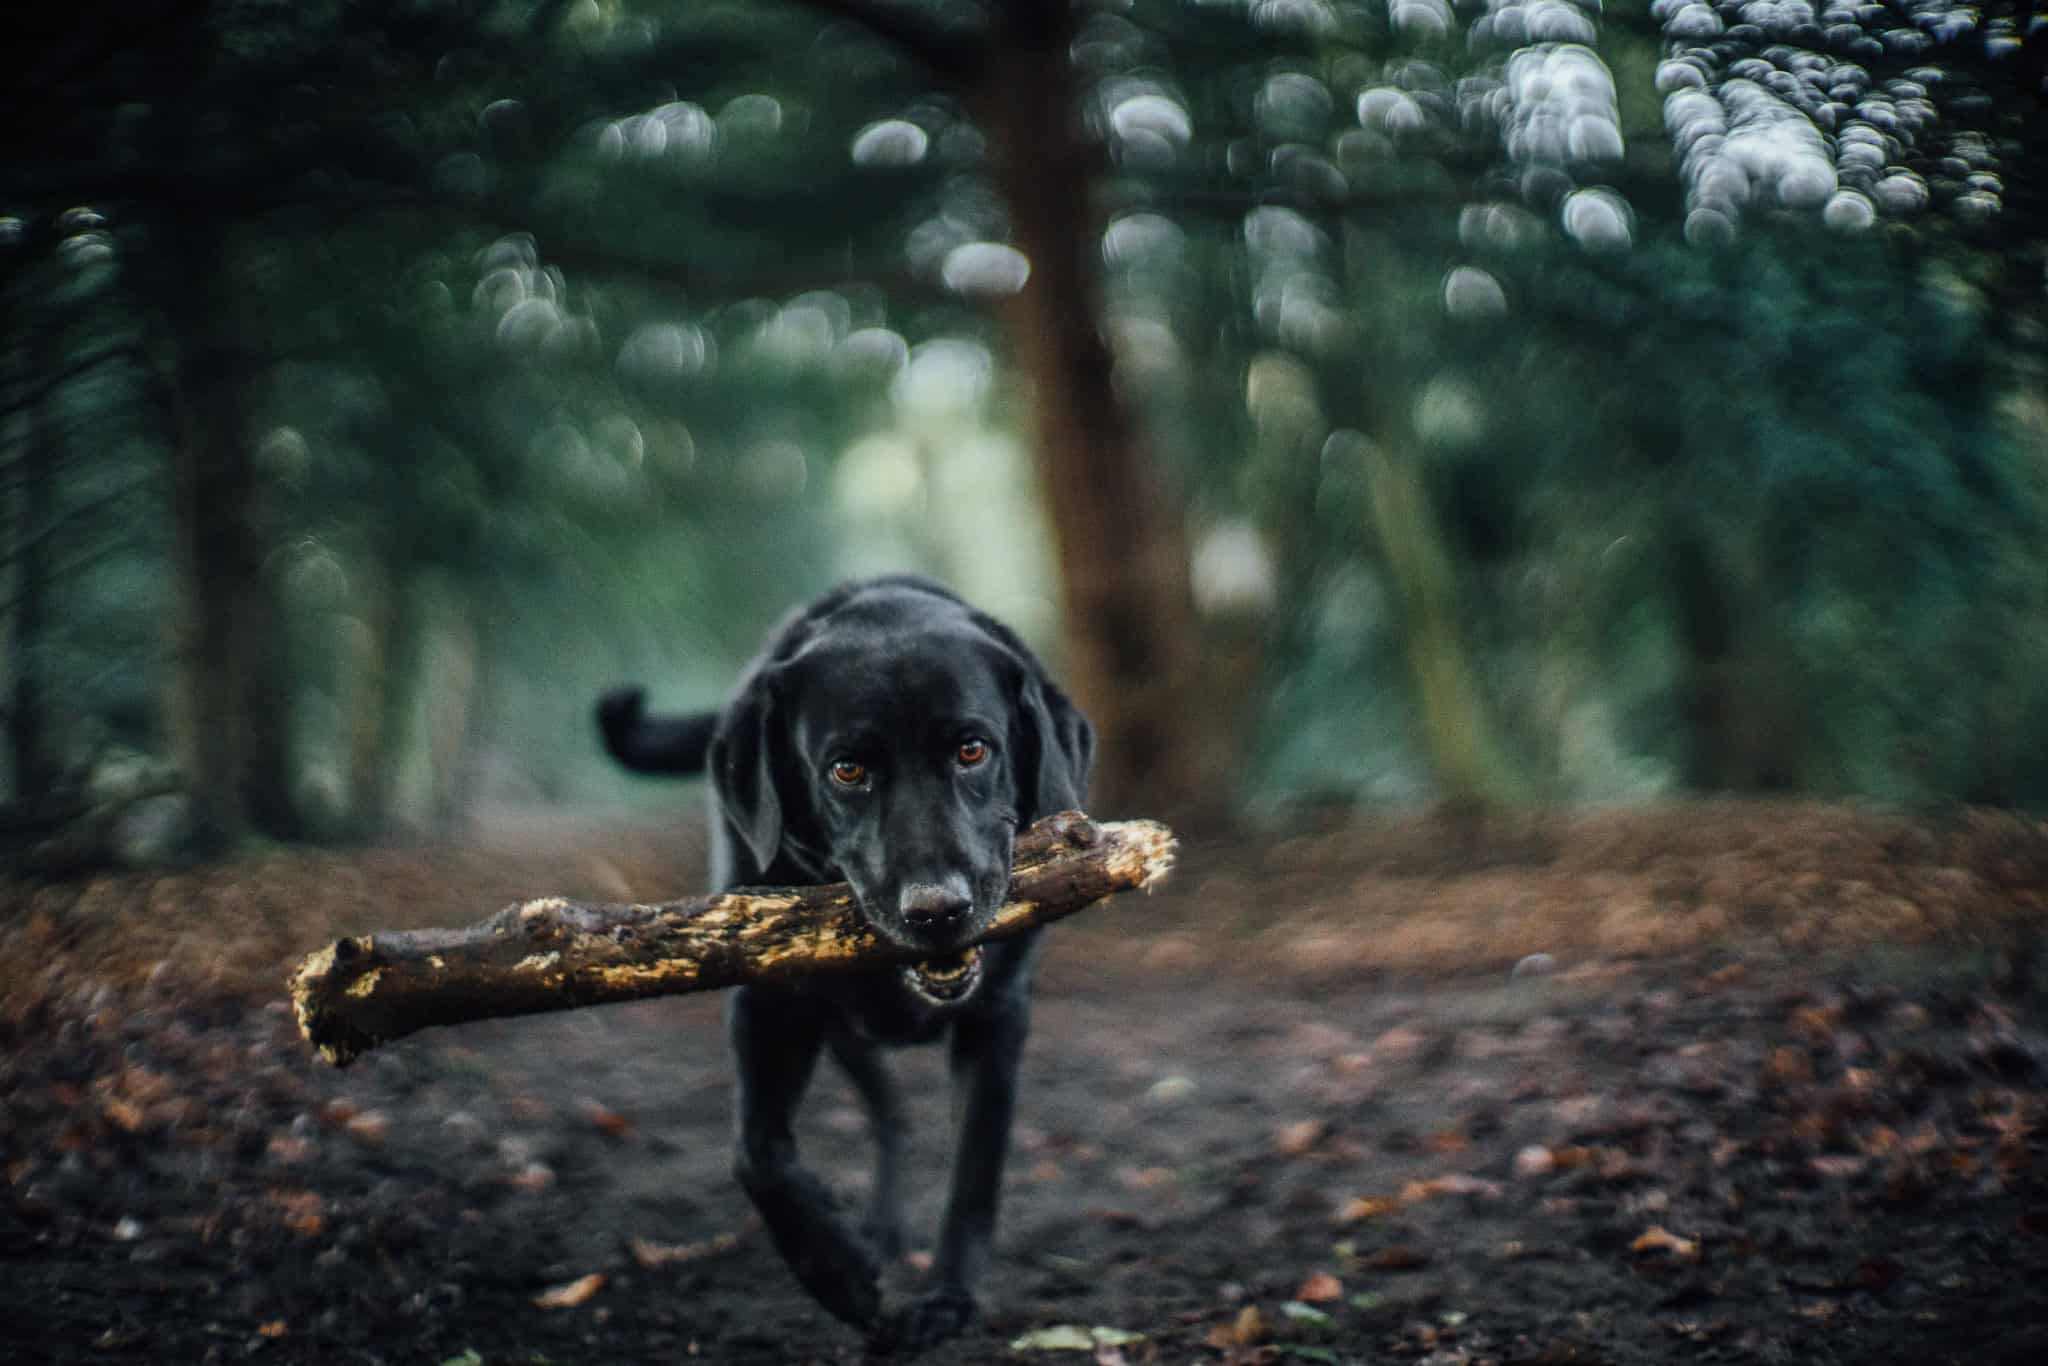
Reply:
x=555 y=954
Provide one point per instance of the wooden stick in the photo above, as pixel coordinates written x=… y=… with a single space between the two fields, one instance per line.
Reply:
x=556 y=954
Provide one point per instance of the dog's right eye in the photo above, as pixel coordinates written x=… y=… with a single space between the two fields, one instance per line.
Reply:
x=847 y=773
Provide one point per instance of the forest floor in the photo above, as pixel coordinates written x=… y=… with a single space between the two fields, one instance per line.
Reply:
x=1779 y=1093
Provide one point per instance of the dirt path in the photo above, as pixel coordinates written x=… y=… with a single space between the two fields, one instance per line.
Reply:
x=1241 y=1150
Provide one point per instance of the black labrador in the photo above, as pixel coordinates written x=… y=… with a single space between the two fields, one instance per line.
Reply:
x=893 y=737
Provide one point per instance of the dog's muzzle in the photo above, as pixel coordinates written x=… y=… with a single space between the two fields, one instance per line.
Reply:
x=934 y=912
x=947 y=980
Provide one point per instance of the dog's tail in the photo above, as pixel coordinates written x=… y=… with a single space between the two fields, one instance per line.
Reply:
x=653 y=744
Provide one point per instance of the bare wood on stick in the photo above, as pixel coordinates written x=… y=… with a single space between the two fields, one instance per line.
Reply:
x=556 y=954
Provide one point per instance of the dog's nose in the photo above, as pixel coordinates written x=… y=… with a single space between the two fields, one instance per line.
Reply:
x=928 y=906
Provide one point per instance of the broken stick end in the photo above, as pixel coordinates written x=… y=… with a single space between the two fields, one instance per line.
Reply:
x=337 y=1044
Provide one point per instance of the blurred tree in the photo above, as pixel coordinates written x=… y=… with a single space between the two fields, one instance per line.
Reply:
x=29 y=475
x=1537 y=386
x=1132 y=644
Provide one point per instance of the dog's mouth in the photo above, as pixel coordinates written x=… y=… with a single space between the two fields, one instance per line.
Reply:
x=947 y=979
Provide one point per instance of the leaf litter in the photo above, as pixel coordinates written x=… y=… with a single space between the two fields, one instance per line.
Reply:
x=1773 y=1144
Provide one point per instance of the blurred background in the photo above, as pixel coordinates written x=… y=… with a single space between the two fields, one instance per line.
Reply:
x=1375 y=402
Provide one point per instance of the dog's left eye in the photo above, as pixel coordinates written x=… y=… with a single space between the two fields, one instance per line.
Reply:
x=971 y=752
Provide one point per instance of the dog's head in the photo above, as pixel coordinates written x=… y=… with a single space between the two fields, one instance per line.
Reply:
x=900 y=749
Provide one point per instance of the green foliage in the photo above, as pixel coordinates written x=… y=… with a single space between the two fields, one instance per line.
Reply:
x=573 y=342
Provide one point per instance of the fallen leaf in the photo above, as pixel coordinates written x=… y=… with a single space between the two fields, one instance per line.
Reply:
x=1397 y=1257
x=1360 y=1207
x=288 y=1148
x=1292 y=1140
x=1398 y=1042
x=604 y=1119
x=1788 y=1066
x=570 y=1294
x=1535 y=1160
x=1453 y=1183
x=1657 y=1238
x=1320 y=1288
x=1072 y=1337
x=652 y=1254
x=1114 y=1337
x=1247 y=1329
x=1061 y=1337
x=369 y=1127
x=1446 y=1141
x=123 y=1115
x=1819 y=1022
x=1171 y=1090
x=303 y=1212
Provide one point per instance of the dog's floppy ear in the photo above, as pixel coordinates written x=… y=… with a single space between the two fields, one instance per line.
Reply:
x=743 y=769
x=1058 y=747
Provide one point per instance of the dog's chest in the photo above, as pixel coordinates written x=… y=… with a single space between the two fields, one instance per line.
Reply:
x=880 y=1009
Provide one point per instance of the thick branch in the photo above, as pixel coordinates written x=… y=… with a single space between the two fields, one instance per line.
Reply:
x=554 y=954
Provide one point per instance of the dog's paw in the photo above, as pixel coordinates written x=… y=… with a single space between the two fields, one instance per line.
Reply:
x=924 y=1321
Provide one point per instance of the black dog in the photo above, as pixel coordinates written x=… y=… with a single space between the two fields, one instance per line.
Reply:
x=892 y=737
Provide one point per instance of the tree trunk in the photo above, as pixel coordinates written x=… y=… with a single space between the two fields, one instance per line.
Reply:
x=1457 y=730
x=453 y=713
x=369 y=670
x=553 y=954
x=1739 y=701
x=228 y=697
x=407 y=676
x=269 y=770
x=32 y=765
x=1131 y=644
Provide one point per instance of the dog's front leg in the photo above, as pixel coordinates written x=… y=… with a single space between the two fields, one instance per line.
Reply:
x=775 y=1043
x=883 y=1224
x=986 y=1055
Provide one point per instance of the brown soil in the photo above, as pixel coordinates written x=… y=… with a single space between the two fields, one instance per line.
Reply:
x=1778 y=1096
